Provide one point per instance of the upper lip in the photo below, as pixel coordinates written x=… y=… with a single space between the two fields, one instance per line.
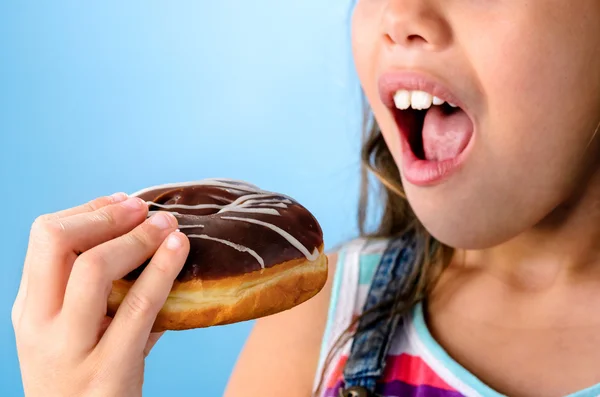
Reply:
x=391 y=82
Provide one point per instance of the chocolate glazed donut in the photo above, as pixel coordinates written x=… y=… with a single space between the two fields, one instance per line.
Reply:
x=252 y=253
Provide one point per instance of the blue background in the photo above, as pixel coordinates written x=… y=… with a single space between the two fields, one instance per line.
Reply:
x=120 y=95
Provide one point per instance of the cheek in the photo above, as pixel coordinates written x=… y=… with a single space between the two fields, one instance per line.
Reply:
x=542 y=91
x=541 y=104
x=367 y=46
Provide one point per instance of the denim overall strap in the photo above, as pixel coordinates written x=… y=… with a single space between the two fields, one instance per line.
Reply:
x=369 y=348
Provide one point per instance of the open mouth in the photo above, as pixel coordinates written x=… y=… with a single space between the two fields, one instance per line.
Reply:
x=435 y=129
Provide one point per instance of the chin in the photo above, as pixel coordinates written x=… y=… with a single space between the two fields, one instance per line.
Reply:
x=465 y=222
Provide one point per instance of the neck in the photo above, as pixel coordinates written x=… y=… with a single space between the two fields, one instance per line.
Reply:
x=563 y=247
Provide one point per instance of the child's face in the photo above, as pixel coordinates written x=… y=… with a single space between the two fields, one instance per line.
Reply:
x=528 y=74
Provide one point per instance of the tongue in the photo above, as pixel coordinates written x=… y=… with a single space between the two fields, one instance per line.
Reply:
x=445 y=136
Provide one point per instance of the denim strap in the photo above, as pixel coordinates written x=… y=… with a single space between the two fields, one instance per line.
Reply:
x=366 y=363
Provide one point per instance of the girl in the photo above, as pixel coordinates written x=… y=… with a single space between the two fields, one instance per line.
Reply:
x=483 y=276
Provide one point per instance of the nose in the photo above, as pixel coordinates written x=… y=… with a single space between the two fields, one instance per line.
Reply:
x=416 y=23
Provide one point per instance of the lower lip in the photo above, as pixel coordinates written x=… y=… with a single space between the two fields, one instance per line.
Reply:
x=427 y=173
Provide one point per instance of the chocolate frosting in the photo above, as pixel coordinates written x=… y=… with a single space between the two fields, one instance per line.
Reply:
x=234 y=227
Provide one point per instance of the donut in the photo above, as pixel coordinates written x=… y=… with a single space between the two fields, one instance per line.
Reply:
x=253 y=253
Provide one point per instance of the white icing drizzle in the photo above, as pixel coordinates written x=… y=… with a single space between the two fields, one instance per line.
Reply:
x=221 y=208
x=257 y=201
x=190 y=226
x=278 y=205
x=274 y=202
x=235 y=246
x=291 y=239
x=268 y=211
x=241 y=204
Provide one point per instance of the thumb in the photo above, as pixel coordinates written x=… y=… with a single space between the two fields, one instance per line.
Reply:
x=152 y=339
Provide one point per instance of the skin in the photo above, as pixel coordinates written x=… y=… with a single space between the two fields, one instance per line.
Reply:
x=280 y=357
x=523 y=208
x=507 y=61
x=81 y=351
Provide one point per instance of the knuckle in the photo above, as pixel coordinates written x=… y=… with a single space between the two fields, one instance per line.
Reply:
x=137 y=304
x=162 y=268
x=105 y=216
x=15 y=315
x=97 y=203
x=92 y=265
x=26 y=333
x=139 y=238
x=41 y=219
x=40 y=222
x=89 y=207
x=48 y=227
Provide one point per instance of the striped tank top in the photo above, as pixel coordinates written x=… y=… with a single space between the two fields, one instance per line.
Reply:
x=416 y=365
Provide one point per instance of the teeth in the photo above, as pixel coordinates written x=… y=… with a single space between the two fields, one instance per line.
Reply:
x=402 y=99
x=418 y=100
x=437 y=101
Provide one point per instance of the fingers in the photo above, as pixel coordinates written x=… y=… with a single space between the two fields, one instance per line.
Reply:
x=152 y=340
x=87 y=230
x=49 y=258
x=17 y=308
x=130 y=329
x=90 y=206
x=94 y=271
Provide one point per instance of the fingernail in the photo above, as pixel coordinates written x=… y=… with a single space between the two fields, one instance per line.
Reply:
x=161 y=220
x=134 y=203
x=173 y=242
x=118 y=197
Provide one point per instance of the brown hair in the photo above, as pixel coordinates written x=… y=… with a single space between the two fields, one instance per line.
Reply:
x=396 y=218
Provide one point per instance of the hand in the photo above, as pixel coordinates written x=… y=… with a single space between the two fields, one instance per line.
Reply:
x=66 y=344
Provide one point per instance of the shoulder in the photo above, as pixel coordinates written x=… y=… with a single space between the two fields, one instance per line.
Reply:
x=284 y=351
x=281 y=353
